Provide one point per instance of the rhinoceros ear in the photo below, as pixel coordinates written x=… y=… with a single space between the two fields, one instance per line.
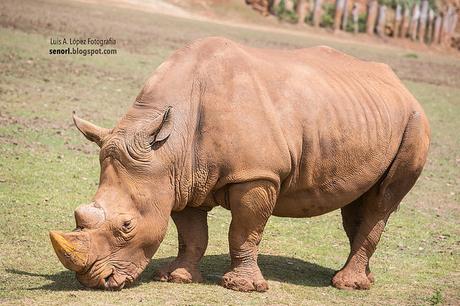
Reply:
x=161 y=128
x=92 y=132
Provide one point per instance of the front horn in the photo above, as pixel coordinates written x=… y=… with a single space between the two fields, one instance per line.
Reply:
x=72 y=249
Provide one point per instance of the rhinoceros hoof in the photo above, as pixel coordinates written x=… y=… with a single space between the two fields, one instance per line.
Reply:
x=370 y=277
x=234 y=281
x=178 y=275
x=349 y=280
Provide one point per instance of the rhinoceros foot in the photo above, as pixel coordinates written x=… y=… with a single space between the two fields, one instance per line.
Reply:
x=178 y=273
x=244 y=282
x=349 y=280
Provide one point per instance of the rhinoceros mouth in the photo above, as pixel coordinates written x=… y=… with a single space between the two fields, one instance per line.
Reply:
x=111 y=276
x=115 y=282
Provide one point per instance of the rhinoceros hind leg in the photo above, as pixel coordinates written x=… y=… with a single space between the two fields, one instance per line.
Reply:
x=251 y=205
x=365 y=218
x=192 y=229
x=352 y=218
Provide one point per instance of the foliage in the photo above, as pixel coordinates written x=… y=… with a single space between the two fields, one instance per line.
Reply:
x=285 y=15
x=361 y=23
x=327 y=19
x=411 y=55
x=436 y=298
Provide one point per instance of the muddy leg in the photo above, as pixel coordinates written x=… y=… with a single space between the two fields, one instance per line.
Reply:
x=365 y=219
x=351 y=218
x=251 y=205
x=192 y=229
x=364 y=227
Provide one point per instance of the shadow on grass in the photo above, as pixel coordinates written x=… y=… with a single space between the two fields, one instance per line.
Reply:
x=278 y=268
x=62 y=281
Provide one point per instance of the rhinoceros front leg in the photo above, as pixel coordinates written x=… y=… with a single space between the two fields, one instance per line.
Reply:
x=192 y=229
x=251 y=205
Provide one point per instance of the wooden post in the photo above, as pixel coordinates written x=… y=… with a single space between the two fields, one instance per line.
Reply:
x=437 y=29
x=339 y=4
x=355 y=16
x=429 y=32
x=381 y=21
x=423 y=18
x=398 y=18
x=414 y=21
x=301 y=11
x=452 y=18
x=405 y=22
x=317 y=12
x=444 y=26
x=345 y=16
x=371 y=16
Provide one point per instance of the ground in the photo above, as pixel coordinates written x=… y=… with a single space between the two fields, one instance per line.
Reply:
x=47 y=168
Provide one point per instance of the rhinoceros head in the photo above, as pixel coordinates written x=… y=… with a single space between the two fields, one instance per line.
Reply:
x=118 y=233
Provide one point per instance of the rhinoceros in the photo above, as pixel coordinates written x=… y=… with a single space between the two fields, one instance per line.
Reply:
x=260 y=132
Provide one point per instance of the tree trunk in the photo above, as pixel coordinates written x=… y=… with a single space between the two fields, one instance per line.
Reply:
x=405 y=22
x=338 y=14
x=355 y=16
x=301 y=11
x=345 y=16
x=372 y=7
x=398 y=18
x=429 y=34
x=317 y=12
x=414 y=21
x=423 y=18
x=437 y=29
x=381 y=21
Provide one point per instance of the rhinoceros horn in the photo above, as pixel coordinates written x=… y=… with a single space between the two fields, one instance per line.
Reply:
x=72 y=249
x=89 y=215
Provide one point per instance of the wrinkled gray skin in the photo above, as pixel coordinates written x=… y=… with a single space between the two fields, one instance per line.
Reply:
x=260 y=132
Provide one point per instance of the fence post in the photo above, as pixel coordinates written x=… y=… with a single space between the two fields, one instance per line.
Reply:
x=405 y=22
x=355 y=16
x=437 y=29
x=414 y=21
x=429 y=34
x=381 y=21
x=345 y=16
x=317 y=12
x=422 y=23
x=301 y=11
x=338 y=14
x=398 y=17
x=371 y=16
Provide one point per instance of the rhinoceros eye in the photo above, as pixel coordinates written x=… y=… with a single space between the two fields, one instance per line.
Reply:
x=127 y=226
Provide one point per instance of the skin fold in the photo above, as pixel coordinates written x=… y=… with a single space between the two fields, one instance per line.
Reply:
x=260 y=132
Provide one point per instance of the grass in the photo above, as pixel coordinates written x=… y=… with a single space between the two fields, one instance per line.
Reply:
x=47 y=168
